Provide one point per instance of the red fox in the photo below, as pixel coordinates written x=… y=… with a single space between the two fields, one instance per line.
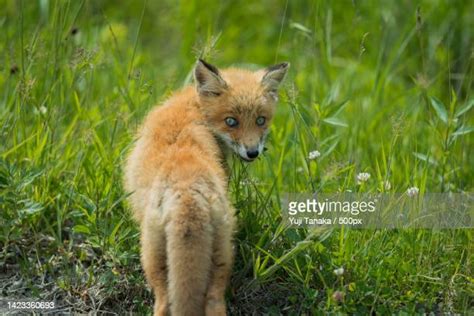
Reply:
x=177 y=176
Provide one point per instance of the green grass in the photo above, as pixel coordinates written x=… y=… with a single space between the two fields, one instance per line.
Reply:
x=378 y=88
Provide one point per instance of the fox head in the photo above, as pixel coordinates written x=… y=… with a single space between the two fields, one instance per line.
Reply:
x=239 y=104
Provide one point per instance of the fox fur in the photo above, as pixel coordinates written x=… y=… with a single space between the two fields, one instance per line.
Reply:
x=177 y=176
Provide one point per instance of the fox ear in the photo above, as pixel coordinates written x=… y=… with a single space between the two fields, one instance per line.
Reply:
x=273 y=76
x=208 y=80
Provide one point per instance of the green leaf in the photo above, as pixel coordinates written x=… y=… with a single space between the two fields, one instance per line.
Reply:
x=81 y=229
x=30 y=208
x=352 y=286
x=330 y=149
x=332 y=95
x=114 y=233
x=300 y=27
x=340 y=107
x=463 y=130
x=465 y=108
x=335 y=121
x=440 y=109
x=425 y=158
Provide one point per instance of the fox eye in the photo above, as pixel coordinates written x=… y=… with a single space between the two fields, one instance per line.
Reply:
x=260 y=121
x=231 y=121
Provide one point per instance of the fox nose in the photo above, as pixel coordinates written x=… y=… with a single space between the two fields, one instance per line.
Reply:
x=253 y=153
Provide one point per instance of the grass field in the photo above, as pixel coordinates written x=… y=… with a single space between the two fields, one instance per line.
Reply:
x=383 y=88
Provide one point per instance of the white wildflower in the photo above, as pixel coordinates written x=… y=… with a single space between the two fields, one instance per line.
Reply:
x=339 y=271
x=363 y=177
x=413 y=191
x=314 y=154
x=41 y=110
x=300 y=169
x=387 y=185
x=245 y=182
